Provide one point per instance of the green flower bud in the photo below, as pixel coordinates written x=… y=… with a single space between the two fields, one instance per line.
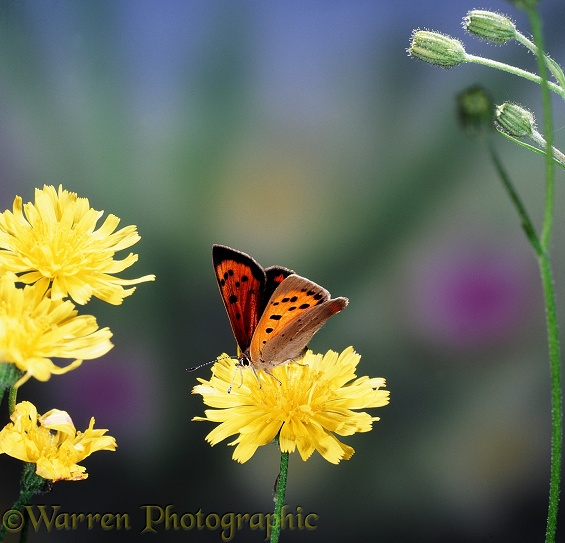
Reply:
x=489 y=26
x=475 y=110
x=437 y=49
x=515 y=120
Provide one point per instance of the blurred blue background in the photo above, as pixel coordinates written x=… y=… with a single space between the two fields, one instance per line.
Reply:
x=301 y=133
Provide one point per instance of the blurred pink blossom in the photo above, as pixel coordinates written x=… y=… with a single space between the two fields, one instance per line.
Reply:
x=468 y=297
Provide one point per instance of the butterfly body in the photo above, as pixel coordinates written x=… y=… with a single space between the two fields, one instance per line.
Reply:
x=273 y=312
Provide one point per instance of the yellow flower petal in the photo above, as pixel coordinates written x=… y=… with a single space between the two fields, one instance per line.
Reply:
x=305 y=404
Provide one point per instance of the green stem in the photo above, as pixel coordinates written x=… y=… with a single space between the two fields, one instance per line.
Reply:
x=548 y=288
x=527 y=224
x=549 y=173
x=516 y=71
x=279 y=499
x=30 y=485
x=552 y=66
x=544 y=263
x=12 y=399
x=558 y=156
x=558 y=162
x=9 y=376
x=556 y=398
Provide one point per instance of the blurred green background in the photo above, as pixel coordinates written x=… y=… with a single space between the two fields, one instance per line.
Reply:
x=301 y=133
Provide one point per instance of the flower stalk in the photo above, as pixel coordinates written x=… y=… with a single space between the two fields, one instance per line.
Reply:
x=527 y=224
x=558 y=156
x=551 y=65
x=548 y=286
x=12 y=399
x=280 y=493
x=476 y=59
x=31 y=484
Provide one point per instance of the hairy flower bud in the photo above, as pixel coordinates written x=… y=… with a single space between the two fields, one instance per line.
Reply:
x=489 y=25
x=437 y=49
x=515 y=120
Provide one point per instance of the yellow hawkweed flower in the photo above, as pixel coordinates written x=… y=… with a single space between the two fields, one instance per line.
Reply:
x=54 y=242
x=305 y=404
x=52 y=442
x=35 y=328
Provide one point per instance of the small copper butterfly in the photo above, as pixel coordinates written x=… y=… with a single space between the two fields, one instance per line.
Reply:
x=273 y=312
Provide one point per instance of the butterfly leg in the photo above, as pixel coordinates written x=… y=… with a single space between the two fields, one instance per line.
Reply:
x=267 y=371
x=239 y=367
x=256 y=376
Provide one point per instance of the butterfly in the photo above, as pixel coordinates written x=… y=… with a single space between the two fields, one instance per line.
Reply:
x=273 y=312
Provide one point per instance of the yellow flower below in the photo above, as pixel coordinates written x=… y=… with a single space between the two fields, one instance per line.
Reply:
x=52 y=442
x=305 y=404
x=55 y=243
x=34 y=329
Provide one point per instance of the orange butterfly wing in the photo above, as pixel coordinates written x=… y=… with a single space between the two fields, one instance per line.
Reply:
x=297 y=309
x=245 y=288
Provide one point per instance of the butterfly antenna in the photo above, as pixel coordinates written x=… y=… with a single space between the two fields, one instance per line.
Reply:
x=206 y=364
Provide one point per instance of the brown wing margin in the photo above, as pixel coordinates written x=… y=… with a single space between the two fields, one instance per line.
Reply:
x=241 y=281
x=275 y=276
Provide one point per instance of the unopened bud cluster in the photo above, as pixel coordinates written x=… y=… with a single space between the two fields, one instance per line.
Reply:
x=489 y=26
x=437 y=49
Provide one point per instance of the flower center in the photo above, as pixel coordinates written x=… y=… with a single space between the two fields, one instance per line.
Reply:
x=54 y=250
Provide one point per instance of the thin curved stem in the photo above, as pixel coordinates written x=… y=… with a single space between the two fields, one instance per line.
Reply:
x=558 y=162
x=515 y=71
x=552 y=66
x=526 y=222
